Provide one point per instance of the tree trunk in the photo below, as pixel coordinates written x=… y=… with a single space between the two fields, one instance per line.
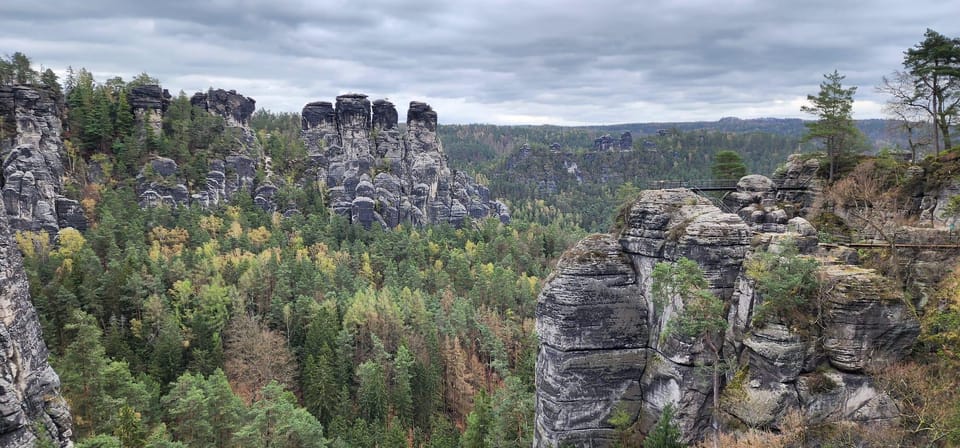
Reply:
x=936 y=120
x=716 y=395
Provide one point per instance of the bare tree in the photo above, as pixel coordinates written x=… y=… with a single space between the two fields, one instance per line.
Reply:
x=910 y=110
x=255 y=355
x=866 y=202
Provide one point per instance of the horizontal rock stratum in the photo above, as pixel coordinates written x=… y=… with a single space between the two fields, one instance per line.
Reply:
x=603 y=345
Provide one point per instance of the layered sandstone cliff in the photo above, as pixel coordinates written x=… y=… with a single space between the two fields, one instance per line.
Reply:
x=32 y=152
x=604 y=346
x=378 y=174
x=31 y=407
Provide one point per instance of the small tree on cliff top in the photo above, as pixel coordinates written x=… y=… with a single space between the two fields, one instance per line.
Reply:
x=833 y=106
x=701 y=319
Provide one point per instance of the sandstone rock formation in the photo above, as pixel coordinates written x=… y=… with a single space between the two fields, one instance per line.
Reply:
x=377 y=175
x=32 y=150
x=604 y=345
x=604 y=283
x=31 y=407
x=149 y=102
x=160 y=182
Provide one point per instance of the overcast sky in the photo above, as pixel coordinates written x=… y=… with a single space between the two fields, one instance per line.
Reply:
x=492 y=61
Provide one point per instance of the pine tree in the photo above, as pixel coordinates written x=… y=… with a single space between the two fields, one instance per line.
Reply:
x=934 y=65
x=728 y=165
x=666 y=434
x=833 y=106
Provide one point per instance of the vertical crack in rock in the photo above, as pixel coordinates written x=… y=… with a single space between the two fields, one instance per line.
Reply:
x=602 y=343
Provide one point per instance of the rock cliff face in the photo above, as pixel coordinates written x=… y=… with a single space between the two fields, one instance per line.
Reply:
x=160 y=181
x=604 y=345
x=378 y=175
x=149 y=102
x=31 y=407
x=32 y=150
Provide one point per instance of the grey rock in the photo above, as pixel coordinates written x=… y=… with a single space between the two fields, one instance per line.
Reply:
x=70 y=214
x=354 y=141
x=626 y=141
x=236 y=109
x=353 y=125
x=867 y=322
x=603 y=344
x=604 y=143
x=592 y=325
x=29 y=388
x=362 y=211
x=829 y=396
x=32 y=151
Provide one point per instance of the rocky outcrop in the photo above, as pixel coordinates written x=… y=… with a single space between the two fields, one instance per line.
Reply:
x=593 y=330
x=604 y=345
x=236 y=109
x=160 y=181
x=602 y=341
x=377 y=175
x=31 y=407
x=149 y=102
x=32 y=150
x=798 y=183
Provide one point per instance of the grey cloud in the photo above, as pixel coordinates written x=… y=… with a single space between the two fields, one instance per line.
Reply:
x=573 y=61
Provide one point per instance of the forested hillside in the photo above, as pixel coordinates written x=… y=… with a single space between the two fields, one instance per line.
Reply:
x=471 y=143
x=584 y=185
x=233 y=325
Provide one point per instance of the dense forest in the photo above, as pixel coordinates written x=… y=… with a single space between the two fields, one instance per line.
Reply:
x=237 y=327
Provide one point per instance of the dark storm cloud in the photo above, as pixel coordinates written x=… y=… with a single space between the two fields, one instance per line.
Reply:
x=492 y=61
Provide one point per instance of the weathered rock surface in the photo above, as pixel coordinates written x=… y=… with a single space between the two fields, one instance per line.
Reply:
x=30 y=398
x=32 y=149
x=593 y=329
x=160 y=181
x=149 y=102
x=375 y=174
x=603 y=343
x=867 y=323
x=233 y=107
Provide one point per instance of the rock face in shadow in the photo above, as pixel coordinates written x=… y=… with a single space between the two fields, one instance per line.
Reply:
x=604 y=346
x=149 y=102
x=377 y=175
x=30 y=399
x=32 y=152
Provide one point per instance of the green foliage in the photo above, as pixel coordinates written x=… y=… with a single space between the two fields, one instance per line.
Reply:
x=391 y=335
x=16 y=69
x=479 y=423
x=277 y=421
x=788 y=285
x=203 y=411
x=397 y=330
x=934 y=67
x=728 y=165
x=543 y=187
x=666 y=433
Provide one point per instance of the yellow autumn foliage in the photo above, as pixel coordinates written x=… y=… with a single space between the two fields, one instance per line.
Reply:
x=33 y=244
x=258 y=236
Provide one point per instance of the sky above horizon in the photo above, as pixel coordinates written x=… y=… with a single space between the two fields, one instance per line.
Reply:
x=495 y=61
